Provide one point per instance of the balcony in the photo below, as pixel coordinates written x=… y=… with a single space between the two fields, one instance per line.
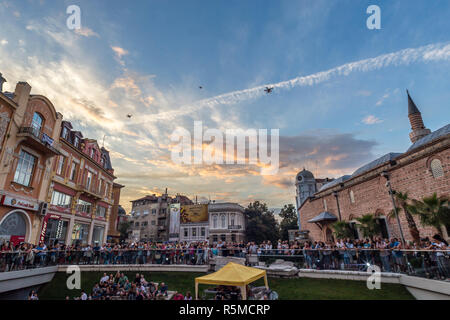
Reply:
x=38 y=140
x=89 y=191
x=235 y=227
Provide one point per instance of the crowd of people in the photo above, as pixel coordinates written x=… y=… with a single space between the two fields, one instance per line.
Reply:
x=119 y=287
x=429 y=255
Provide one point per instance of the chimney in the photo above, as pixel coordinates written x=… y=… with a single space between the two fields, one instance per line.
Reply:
x=22 y=93
x=2 y=81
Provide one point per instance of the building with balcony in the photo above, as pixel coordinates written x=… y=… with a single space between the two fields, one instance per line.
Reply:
x=226 y=222
x=150 y=216
x=81 y=193
x=29 y=131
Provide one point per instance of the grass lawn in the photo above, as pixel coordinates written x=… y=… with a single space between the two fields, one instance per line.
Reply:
x=287 y=289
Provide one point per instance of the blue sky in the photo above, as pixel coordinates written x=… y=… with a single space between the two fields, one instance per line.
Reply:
x=148 y=58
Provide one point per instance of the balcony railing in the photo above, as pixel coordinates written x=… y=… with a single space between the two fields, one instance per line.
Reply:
x=39 y=139
x=234 y=227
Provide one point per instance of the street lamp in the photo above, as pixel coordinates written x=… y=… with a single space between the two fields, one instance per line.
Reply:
x=336 y=195
x=385 y=174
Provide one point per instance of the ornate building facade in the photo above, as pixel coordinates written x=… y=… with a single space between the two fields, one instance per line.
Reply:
x=226 y=222
x=420 y=171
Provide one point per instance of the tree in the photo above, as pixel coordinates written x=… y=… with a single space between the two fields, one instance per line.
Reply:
x=342 y=229
x=261 y=223
x=432 y=211
x=368 y=225
x=402 y=201
x=289 y=222
x=123 y=229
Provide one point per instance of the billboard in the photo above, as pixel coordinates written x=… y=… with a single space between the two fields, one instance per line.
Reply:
x=174 y=218
x=194 y=213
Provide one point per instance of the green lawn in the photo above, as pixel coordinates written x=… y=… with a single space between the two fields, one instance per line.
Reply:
x=287 y=289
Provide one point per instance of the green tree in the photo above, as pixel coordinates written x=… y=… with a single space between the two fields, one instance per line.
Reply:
x=123 y=228
x=342 y=229
x=289 y=222
x=368 y=225
x=432 y=211
x=402 y=201
x=261 y=223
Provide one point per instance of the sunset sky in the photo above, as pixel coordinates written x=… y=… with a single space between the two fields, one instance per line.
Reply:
x=339 y=95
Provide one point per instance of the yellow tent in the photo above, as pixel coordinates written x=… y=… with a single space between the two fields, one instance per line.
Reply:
x=233 y=274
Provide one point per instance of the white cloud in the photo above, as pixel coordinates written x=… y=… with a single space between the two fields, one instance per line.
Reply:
x=371 y=119
x=3 y=42
x=86 y=32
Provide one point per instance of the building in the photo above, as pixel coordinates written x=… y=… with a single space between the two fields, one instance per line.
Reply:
x=306 y=186
x=194 y=223
x=226 y=222
x=81 y=194
x=150 y=216
x=420 y=171
x=117 y=214
x=29 y=130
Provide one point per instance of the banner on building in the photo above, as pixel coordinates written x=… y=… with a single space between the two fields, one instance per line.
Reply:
x=45 y=224
x=174 y=218
x=194 y=213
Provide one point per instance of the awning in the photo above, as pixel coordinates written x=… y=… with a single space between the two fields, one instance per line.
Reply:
x=233 y=274
x=323 y=217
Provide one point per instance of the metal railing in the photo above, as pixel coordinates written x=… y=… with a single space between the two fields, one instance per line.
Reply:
x=432 y=264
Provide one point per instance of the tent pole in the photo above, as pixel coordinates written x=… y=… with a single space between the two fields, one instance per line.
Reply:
x=196 y=290
x=265 y=281
x=244 y=292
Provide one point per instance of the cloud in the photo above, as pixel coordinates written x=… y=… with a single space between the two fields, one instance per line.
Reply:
x=3 y=42
x=86 y=32
x=371 y=119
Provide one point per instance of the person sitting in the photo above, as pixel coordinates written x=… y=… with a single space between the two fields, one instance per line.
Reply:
x=188 y=296
x=163 y=289
x=104 y=278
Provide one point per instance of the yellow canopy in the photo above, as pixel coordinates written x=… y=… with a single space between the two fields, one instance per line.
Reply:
x=233 y=274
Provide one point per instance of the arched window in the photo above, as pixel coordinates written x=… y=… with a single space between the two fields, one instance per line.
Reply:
x=215 y=221
x=13 y=225
x=222 y=218
x=436 y=168
x=232 y=219
x=36 y=123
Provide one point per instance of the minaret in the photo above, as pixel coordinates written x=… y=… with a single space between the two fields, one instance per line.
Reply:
x=415 y=118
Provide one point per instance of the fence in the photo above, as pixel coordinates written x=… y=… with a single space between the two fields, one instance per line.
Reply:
x=434 y=264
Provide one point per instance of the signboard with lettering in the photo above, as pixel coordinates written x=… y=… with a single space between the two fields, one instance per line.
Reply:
x=45 y=224
x=20 y=203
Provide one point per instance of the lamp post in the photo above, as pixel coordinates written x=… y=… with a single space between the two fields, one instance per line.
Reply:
x=385 y=174
x=336 y=195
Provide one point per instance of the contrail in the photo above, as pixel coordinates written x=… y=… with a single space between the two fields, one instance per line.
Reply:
x=432 y=52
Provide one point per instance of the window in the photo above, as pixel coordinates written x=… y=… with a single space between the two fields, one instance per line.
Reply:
x=222 y=218
x=92 y=153
x=186 y=232
x=352 y=196
x=76 y=142
x=101 y=211
x=194 y=232
x=232 y=219
x=153 y=211
x=88 y=180
x=215 y=221
x=36 y=123
x=65 y=133
x=153 y=222
x=223 y=237
x=146 y=212
x=215 y=238
x=203 y=231
x=60 y=199
x=24 y=170
x=73 y=171
x=60 y=167
x=163 y=211
x=137 y=224
x=436 y=168
x=325 y=205
x=233 y=237
x=84 y=206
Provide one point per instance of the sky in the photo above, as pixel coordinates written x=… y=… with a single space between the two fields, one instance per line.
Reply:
x=339 y=98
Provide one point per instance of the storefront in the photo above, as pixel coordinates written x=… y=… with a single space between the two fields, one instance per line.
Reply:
x=97 y=234
x=56 y=232
x=80 y=233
